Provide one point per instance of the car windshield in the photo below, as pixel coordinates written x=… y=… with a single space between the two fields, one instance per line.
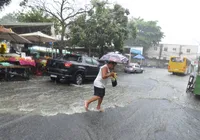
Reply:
x=132 y=65
x=72 y=58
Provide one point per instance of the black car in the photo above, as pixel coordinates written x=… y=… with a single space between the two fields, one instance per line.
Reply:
x=73 y=68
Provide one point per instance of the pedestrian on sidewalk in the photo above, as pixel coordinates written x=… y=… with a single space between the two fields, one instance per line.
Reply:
x=100 y=84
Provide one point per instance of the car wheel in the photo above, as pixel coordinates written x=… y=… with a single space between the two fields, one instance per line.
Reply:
x=53 y=79
x=58 y=80
x=79 y=79
x=125 y=71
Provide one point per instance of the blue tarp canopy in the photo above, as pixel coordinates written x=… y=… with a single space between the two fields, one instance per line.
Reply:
x=139 y=57
x=135 y=51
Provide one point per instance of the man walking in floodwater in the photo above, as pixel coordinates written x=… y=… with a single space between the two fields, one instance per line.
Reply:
x=100 y=84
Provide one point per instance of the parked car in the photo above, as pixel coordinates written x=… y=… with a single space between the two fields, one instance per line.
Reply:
x=133 y=68
x=73 y=68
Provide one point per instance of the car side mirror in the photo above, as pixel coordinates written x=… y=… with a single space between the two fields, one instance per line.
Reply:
x=99 y=65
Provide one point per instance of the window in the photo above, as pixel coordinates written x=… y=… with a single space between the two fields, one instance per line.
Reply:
x=95 y=62
x=72 y=57
x=88 y=61
x=174 y=49
x=165 y=49
x=177 y=59
x=188 y=50
x=137 y=66
x=155 y=48
x=79 y=59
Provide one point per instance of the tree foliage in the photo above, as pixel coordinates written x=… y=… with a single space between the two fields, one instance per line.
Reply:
x=33 y=15
x=64 y=11
x=8 y=18
x=148 y=33
x=37 y=15
x=4 y=3
x=102 y=27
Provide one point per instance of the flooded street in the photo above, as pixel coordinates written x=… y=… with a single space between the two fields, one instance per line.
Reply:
x=147 y=106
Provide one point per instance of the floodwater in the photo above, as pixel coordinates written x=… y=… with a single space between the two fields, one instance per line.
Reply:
x=152 y=105
x=43 y=97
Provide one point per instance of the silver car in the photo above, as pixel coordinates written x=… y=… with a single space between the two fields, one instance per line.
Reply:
x=133 y=68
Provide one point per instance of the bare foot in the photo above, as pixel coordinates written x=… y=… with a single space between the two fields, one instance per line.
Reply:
x=100 y=109
x=86 y=105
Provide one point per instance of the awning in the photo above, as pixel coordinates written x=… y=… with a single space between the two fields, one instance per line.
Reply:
x=134 y=51
x=139 y=57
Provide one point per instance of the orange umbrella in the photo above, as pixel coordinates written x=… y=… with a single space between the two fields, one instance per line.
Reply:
x=4 y=30
x=8 y=34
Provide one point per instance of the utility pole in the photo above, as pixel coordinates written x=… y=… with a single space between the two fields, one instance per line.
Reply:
x=160 y=54
x=180 y=50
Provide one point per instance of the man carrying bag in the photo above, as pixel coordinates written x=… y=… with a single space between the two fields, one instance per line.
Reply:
x=101 y=82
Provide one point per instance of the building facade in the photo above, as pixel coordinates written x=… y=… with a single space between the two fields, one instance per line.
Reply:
x=165 y=51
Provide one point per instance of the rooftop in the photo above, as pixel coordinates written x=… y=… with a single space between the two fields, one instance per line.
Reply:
x=28 y=24
x=28 y=27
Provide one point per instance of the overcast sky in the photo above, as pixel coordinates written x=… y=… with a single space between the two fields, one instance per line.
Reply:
x=179 y=19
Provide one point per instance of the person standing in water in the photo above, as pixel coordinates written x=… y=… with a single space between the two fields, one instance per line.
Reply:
x=100 y=84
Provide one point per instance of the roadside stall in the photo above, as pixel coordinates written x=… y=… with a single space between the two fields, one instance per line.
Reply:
x=41 y=53
x=13 y=64
x=140 y=58
x=9 y=71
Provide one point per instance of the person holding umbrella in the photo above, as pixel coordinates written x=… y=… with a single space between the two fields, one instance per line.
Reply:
x=100 y=84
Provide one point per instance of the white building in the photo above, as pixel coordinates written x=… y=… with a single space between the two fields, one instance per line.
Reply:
x=165 y=51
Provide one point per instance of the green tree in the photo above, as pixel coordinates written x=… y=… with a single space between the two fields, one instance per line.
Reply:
x=120 y=21
x=65 y=11
x=82 y=33
x=37 y=15
x=4 y=3
x=10 y=17
x=148 y=33
x=102 y=27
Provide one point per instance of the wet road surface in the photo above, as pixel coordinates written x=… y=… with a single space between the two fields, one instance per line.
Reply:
x=147 y=106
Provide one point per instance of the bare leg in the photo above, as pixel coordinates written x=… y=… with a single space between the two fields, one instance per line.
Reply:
x=89 y=101
x=99 y=104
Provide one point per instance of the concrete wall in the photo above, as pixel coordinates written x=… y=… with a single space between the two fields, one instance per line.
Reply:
x=153 y=52
x=193 y=51
x=165 y=51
